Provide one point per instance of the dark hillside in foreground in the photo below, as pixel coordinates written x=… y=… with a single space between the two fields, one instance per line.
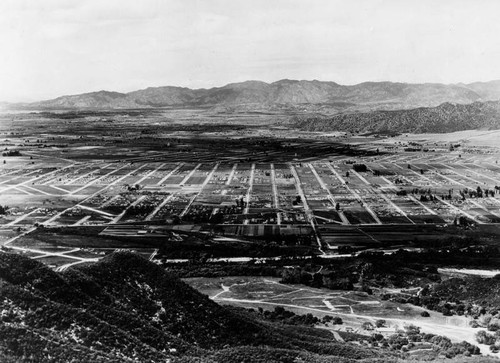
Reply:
x=441 y=119
x=126 y=308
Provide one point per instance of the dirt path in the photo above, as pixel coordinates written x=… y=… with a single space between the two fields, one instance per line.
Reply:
x=455 y=328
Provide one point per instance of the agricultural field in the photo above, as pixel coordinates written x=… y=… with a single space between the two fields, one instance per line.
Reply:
x=158 y=180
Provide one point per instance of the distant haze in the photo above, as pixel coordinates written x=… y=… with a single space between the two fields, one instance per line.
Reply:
x=51 y=48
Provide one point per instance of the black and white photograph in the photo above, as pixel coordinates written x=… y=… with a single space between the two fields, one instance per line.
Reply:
x=240 y=181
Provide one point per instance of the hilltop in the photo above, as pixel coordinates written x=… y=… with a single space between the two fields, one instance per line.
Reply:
x=256 y=94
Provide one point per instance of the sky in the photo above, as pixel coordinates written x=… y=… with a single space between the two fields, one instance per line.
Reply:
x=50 y=48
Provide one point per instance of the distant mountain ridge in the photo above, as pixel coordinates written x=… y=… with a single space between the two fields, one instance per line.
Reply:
x=368 y=95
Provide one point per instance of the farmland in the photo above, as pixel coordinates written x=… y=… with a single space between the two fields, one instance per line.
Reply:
x=149 y=179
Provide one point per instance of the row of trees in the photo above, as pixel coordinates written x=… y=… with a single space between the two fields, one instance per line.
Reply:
x=11 y=153
x=326 y=278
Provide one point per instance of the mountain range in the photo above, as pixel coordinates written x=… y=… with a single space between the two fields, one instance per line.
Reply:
x=256 y=94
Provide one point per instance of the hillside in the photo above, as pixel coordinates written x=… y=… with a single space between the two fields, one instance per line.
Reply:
x=443 y=118
x=101 y=99
x=126 y=308
x=363 y=96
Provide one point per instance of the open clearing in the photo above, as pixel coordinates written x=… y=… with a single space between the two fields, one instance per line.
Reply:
x=267 y=292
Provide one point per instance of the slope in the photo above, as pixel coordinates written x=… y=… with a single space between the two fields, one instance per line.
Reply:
x=441 y=119
x=126 y=308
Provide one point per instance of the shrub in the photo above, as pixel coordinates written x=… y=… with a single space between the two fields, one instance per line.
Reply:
x=474 y=324
x=483 y=337
x=337 y=320
x=367 y=326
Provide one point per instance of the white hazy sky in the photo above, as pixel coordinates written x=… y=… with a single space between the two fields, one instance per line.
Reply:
x=50 y=48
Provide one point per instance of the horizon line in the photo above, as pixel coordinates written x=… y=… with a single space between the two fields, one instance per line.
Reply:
x=241 y=82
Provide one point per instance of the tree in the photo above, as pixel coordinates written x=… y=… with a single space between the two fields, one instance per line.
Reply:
x=446 y=311
x=360 y=167
x=290 y=275
x=380 y=323
x=474 y=324
x=485 y=319
x=337 y=320
x=482 y=337
x=494 y=325
x=279 y=310
x=412 y=329
x=367 y=326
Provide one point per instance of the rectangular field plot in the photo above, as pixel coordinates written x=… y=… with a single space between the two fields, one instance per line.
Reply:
x=358 y=215
x=326 y=216
x=196 y=179
x=259 y=199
